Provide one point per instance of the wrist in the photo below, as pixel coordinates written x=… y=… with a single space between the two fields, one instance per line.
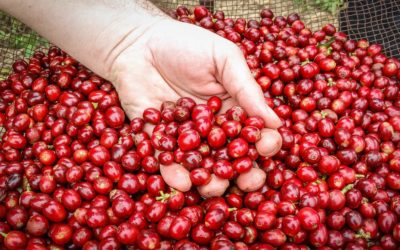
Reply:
x=94 y=32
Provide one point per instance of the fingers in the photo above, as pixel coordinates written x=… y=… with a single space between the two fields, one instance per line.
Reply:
x=216 y=187
x=148 y=128
x=176 y=176
x=235 y=76
x=252 y=180
x=227 y=104
x=270 y=142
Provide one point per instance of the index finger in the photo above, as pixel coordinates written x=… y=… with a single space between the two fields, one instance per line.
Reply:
x=237 y=79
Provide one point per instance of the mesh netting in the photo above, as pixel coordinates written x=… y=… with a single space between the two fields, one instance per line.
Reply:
x=376 y=20
x=314 y=17
x=16 y=41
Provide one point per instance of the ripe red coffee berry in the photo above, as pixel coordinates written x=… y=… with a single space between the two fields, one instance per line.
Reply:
x=250 y=134
x=152 y=116
x=216 y=138
x=47 y=157
x=60 y=233
x=127 y=233
x=37 y=225
x=309 y=218
x=238 y=148
x=114 y=117
x=179 y=228
x=215 y=104
x=242 y=165
x=148 y=240
x=15 y=240
x=188 y=140
x=328 y=164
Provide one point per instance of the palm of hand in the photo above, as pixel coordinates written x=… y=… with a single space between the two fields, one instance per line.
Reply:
x=174 y=66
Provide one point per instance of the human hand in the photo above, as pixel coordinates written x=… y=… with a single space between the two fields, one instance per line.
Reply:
x=150 y=59
x=172 y=60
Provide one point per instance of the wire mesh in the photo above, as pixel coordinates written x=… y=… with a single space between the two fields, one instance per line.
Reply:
x=313 y=17
x=376 y=20
x=16 y=41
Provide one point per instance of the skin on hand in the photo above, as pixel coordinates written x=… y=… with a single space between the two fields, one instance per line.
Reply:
x=151 y=58
x=176 y=59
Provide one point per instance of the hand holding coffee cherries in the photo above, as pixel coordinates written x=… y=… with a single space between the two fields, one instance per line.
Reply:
x=151 y=58
x=168 y=65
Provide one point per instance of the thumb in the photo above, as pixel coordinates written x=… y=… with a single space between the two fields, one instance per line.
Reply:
x=176 y=176
x=235 y=76
x=252 y=180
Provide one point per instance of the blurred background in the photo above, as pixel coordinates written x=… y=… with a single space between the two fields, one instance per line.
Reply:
x=376 y=20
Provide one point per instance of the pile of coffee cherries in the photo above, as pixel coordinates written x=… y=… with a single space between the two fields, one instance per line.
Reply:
x=75 y=173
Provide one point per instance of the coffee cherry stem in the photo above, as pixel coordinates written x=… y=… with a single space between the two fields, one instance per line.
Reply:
x=231 y=209
x=347 y=188
x=305 y=62
x=163 y=196
x=363 y=235
x=364 y=200
x=25 y=184
x=327 y=44
x=331 y=82
x=359 y=176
